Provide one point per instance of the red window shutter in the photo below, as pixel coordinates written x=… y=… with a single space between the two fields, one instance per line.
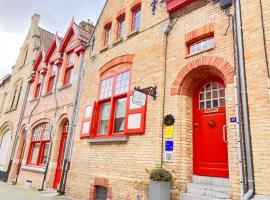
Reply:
x=135 y=117
x=87 y=122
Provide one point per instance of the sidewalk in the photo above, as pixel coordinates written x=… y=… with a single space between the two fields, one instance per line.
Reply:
x=14 y=192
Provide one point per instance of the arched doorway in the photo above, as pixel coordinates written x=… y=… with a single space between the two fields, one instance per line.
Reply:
x=60 y=159
x=4 y=145
x=210 y=152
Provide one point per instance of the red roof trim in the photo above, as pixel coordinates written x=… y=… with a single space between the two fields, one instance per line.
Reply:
x=38 y=60
x=69 y=33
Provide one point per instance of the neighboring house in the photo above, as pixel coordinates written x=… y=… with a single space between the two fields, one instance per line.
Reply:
x=186 y=49
x=15 y=93
x=49 y=109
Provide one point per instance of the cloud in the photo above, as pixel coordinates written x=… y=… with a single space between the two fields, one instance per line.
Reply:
x=15 y=18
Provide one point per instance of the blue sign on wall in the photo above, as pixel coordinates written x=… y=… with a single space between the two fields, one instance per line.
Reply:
x=169 y=145
x=233 y=119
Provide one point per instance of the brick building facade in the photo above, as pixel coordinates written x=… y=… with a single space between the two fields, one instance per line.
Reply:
x=189 y=51
x=49 y=108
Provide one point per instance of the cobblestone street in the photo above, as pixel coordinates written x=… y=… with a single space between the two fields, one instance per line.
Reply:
x=11 y=192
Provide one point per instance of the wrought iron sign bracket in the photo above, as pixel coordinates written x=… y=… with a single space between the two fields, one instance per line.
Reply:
x=150 y=91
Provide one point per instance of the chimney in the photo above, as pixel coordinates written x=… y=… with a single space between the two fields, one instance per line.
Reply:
x=35 y=18
x=88 y=26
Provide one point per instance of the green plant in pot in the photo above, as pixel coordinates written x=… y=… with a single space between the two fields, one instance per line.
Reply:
x=159 y=187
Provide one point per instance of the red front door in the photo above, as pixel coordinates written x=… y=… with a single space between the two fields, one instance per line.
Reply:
x=60 y=160
x=209 y=131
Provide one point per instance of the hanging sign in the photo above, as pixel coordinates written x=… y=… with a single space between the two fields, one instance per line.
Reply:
x=169 y=131
x=139 y=98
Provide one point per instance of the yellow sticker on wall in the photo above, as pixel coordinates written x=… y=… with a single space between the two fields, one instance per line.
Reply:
x=169 y=131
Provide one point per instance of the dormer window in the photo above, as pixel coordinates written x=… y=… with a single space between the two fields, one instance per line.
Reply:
x=69 y=69
x=51 y=81
x=107 y=35
x=38 y=87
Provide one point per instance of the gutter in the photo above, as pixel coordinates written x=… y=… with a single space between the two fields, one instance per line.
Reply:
x=244 y=104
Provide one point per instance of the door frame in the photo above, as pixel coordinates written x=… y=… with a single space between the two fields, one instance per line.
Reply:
x=195 y=108
x=60 y=152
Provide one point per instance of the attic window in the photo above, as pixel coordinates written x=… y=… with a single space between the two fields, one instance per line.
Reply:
x=173 y=5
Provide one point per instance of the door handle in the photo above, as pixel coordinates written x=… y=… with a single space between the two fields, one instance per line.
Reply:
x=225 y=134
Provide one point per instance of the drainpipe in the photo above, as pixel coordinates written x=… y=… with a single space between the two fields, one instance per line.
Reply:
x=244 y=103
x=51 y=137
x=237 y=105
x=72 y=127
x=18 y=128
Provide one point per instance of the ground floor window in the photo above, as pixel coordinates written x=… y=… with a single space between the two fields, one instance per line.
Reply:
x=4 y=144
x=40 y=144
x=101 y=193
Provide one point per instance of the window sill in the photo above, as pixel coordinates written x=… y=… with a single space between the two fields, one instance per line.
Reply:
x=48 y=94
x=133 y=33
x=64 y=87
x=194 y=54
x=34 y=99
x=109 y=139
x=33 y=169
x=11 y=110
x=104 y=49
x=118 y=41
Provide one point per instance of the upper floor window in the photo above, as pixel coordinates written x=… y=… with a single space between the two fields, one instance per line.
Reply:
x=40 y=144
x=114 y=114
x=112 y=107
x=51 y=80
x=121 y=27
x=107 y=35
x=136 y=19
x=37 y=89
x=69 y=69
x=201 y=45
x=16 y=97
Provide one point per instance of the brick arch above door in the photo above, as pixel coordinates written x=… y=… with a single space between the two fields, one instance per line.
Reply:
x=198 y=70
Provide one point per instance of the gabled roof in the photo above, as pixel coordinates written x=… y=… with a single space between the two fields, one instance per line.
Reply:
x=82 y=34
x=4 y=80
x=46 y=39
x=57 y=41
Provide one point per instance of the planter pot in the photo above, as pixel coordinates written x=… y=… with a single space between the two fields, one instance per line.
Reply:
x=159 y=190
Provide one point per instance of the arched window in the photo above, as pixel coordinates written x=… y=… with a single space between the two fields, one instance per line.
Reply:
x=16 y=96
x=4 y=147
x=212 y=95
x=40 y=144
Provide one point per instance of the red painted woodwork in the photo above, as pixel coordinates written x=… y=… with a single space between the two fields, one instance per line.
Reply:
x=173 y=5
x=58 y=172
x=210 y=153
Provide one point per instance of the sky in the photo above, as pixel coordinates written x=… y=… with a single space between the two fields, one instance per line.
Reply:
x=56 y=15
